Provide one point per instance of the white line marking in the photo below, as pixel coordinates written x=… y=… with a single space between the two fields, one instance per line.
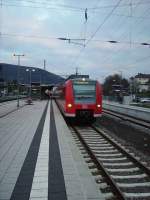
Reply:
x=40 y=180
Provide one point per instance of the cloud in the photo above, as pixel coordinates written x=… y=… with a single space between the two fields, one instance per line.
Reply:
x=99 y=58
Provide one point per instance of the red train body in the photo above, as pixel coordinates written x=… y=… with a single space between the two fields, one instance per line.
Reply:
x=80 y=98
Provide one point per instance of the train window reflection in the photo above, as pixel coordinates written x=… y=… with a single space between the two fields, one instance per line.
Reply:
x=84 y=93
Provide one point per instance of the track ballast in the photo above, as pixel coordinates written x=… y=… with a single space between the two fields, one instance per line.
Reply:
x=125 y=175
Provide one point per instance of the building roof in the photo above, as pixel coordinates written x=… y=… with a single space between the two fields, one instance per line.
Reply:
x=140 y=75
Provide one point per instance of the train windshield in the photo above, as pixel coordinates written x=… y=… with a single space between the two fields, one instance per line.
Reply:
x=84 y=92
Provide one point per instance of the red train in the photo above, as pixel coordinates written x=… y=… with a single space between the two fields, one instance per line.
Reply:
x=81 y=98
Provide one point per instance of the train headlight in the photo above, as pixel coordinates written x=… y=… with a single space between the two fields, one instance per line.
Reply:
x=69 y=105
x=98 y=105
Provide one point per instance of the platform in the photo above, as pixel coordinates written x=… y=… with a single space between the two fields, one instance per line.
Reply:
x=78 y=180
x=11 y=106
x=39 y=158
x=16 y=134
x=132 y=111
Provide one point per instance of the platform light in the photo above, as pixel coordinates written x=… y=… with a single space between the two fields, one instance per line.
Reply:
x=98 y=105
x=69 y=105
x=83 y=79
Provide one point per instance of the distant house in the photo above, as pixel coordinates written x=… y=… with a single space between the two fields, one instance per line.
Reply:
x=142 y=82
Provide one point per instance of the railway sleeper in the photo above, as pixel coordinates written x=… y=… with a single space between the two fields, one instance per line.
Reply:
x=92 y=166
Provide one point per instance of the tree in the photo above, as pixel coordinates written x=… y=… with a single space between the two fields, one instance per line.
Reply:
x=114 y=84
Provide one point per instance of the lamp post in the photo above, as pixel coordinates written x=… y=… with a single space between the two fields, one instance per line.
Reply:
x=18 y=56
x=40 y=86
x=30 y=71
x=121 y=91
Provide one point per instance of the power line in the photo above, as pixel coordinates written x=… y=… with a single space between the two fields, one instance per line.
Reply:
x=129 y=16
x=73 y=40
x=1 y=17
x=136 y=61
x=92 y=36
x=48 y=3
x=103 y=22
x=122 y=5
x=107 y=57
x=128 y=42
x=55 y=7
x=125 y=42
x=72 y=8
x=28 y=36
x=85 y=31
x=110 y=41
x=96 y=4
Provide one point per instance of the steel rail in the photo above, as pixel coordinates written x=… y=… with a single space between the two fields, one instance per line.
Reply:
x=129 y=118
x=115 y=189
x=123 y=151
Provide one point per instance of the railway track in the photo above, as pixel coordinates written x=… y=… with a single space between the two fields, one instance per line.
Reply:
x=134 y=120
x=119 y=173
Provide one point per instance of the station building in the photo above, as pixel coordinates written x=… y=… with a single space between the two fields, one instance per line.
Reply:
x=36 y=79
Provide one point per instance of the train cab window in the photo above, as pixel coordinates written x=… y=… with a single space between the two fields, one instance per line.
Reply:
x=85 y=92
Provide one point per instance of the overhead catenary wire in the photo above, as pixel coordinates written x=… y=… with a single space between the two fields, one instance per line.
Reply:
x=96 y=4
x=129 y=16
x=44 y=7
x=77 y=7
x=85 y=28
x=134 y=63
x=30 y=2
x=66 y=7
x=143 y=44
x=28 y=36
x=130 y=28
x=131 y=42
x=120 y=24
x=103 y=22
x=111 y=41
x=73 y=40
x=108 y=57
x=122 y=5
x=1 y=17
x=98 y=28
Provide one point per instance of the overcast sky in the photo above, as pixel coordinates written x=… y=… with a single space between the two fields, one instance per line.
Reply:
x=32 y=27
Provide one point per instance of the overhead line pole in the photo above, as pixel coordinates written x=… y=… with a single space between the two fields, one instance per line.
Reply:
x=44 y=64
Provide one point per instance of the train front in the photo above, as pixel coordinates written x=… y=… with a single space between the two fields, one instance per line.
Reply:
x=85 y=98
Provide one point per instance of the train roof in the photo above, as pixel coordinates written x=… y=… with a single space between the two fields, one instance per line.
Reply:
x=77 y=76
x=81 y=80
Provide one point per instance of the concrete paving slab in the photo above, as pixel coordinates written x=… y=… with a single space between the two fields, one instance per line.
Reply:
x=19 y=128
x=40 y=189
x=11 y=106
x=57 y=189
